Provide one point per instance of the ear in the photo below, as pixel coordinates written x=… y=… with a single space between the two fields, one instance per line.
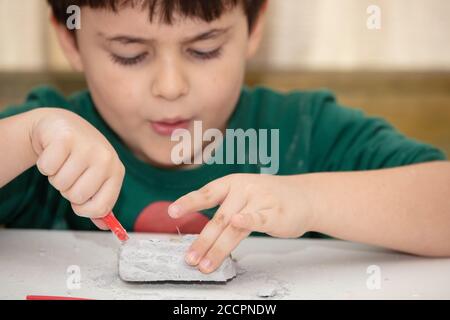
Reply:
x=256 y=34
x=67 y=41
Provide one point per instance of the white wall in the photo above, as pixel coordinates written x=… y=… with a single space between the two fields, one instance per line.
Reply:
x=333 y=34
x=23 y=33
x=316 y=34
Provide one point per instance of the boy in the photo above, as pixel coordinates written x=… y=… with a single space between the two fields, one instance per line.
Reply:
x=155 y=66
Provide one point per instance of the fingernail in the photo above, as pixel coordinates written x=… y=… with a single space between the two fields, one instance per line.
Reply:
x=205 y=264
x=192 y=257
x=174 y=210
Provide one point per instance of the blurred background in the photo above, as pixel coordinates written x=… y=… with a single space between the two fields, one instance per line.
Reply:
x=400 y=71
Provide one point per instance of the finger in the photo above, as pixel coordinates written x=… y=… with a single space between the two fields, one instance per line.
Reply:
x=234 y=202
x=72 y=169
x=258 y=220
x=53 y=157
x=100 y=224
x=102 y=202
x=209 y=196
x=255 y=215
x=87 y=185
x=222 y=248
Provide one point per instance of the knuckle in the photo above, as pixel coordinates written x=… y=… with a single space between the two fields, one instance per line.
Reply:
x=217 y=256
x=262 y=217
x=40 y=165
x=65 y=133
x=247 y=218
x=59 y=184
x=78 y=210
x=280 y=210
x=80 y=198
x=235 y=230
x=269 y=200
x=206 y=193
x=76 y=197
x=219 y=220
x=47 y=166
x=104 y=157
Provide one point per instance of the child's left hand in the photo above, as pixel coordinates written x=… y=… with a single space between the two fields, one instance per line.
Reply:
x=275 y=205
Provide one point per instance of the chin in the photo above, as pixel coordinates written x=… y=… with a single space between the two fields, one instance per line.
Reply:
x=161 y=160
x=160 y=155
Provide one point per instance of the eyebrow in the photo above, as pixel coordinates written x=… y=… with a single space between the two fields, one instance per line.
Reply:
x=214 y=33
x=126 y=39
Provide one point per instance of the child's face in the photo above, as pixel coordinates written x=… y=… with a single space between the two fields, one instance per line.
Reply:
x=140 y=72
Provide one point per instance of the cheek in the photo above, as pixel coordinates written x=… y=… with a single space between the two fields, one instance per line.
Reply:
x=225 y=76
x=116 y=88
x=115 y=91
x=224 y=90
x=219 y=105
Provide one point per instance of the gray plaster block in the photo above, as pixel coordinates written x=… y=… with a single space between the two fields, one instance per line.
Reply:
x=157 y=260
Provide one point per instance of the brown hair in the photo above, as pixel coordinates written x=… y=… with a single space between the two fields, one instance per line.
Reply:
x=207 y=10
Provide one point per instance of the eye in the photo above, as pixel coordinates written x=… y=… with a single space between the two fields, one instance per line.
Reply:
x=205 y=55
x=128 y=61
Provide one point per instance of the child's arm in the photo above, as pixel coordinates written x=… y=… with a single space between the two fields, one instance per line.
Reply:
x=15 y=145
x=405 y=208
x=78 y=160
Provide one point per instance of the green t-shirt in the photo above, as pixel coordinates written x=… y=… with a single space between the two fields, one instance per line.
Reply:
x=315 y=135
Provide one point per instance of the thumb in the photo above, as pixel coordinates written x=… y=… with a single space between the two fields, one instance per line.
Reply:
x=100 y=224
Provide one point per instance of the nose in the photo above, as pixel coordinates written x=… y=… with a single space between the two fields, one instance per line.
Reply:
x=169 y=82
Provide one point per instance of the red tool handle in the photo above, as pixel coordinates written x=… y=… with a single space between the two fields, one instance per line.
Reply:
x=115 y=226
x=53 y=298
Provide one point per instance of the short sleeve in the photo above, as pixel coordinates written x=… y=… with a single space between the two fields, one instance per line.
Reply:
x=345 y=139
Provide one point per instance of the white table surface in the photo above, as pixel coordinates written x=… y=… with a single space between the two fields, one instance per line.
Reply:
x=36 y=262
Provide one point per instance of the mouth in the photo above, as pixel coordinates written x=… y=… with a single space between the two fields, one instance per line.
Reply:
x=167 y=126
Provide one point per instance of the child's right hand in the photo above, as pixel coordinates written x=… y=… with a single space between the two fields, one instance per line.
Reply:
x=79 y=162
